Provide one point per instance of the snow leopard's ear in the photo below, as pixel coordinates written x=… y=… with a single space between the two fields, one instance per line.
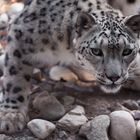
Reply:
x=133 y=23
x=84 y=22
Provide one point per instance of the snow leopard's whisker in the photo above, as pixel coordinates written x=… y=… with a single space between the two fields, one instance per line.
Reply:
x=133 y=69
x=133 y=76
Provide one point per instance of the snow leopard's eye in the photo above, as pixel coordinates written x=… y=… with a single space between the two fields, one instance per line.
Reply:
x=127 y=52
x=97 y=52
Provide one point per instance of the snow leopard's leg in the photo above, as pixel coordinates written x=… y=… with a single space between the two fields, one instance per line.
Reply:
x=16 y=86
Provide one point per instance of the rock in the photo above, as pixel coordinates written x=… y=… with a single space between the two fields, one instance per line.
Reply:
x=122 y=126
x=15 y=9
x=85 y=129
x=4 y=137
x=58 y=73
x=138 y=101
x=78 y=110
x=96 y=129
x=1 y=96
x=68 y=100
x=138 y=129
x=73 y=120
x=136 y=114
x=72 y=138
x=62 y=135
x=4 y=20
x=49 y=107
x=117 y=106
x=41 y=128
x=131 y=104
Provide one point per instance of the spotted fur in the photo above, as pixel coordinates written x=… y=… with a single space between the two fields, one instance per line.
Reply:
x=86 y=33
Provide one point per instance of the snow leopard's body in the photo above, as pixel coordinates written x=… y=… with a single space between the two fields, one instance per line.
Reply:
x=88 y=33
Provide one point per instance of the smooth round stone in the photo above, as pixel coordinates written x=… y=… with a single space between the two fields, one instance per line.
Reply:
x=41 y=128
x=122 y=126
x=138 y=129
x=4 y=20
x=73 y=120
x=49 y=107
x=96 y=129
x=15 y=8
x=68 y=100
x=135 y=114
x=131 y=104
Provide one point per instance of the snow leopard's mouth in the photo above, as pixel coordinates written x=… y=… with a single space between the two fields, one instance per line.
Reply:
x=112 y=88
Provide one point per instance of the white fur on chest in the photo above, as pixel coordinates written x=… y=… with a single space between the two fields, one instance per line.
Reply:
x=49 y=57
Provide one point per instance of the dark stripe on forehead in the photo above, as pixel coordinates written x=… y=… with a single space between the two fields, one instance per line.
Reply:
x=102 y=41
x=103 y=34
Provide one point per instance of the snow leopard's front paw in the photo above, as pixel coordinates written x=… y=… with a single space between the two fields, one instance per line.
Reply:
x=12 y=121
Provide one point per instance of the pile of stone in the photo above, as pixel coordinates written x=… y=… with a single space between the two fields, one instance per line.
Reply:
x=118 y=125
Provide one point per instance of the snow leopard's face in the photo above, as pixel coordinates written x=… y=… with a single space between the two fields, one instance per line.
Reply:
x=107 y=47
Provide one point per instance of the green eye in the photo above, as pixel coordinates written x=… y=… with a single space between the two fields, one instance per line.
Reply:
x=127 y=52
x=97 y=52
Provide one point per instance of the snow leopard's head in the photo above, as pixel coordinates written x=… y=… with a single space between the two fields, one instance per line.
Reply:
x=107 y=45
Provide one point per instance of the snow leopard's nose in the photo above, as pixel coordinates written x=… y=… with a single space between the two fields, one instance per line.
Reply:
x=113 y=78
x=112 y=68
